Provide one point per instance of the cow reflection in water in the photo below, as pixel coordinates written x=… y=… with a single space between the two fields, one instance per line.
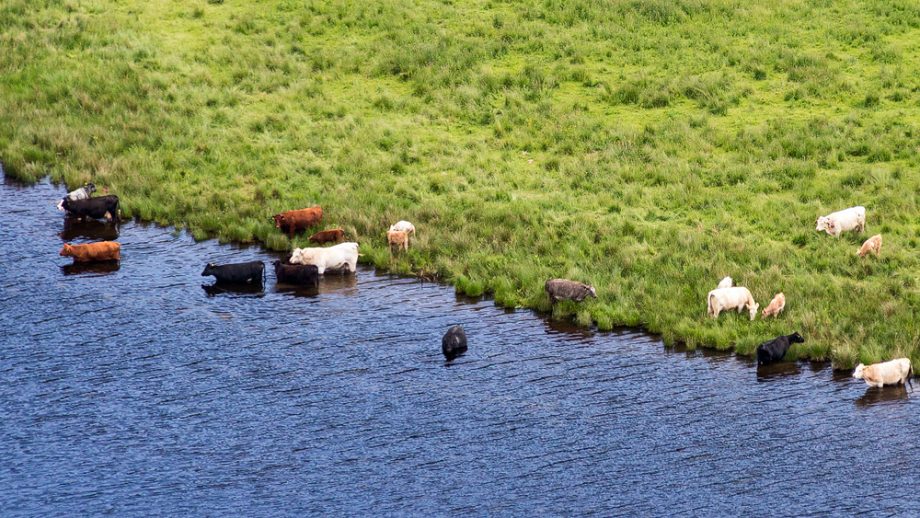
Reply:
x=890 y=394
x=220 y=288
x=773 y=371
x=328 y=284
x=91 y=229
x=97 y=267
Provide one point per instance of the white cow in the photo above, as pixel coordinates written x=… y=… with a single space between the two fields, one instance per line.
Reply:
x=892 y=372
x=725 y=283
x=404 y=226
x=844 y=220
x=738 y=298
x=331 y=258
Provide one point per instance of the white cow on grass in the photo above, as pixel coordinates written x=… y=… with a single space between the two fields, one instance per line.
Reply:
x=738 y=297
x=844 y=220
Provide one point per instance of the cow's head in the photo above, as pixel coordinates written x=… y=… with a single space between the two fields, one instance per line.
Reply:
x=208 y=269
x=753 y=310
x=278 y=219
x=796 y=338
x=589 y=290
x=858 y=372
x=90 y=188
x=821 y=224
x=67 y=251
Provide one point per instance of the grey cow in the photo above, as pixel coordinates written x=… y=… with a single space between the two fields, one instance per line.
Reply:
x=564 y=289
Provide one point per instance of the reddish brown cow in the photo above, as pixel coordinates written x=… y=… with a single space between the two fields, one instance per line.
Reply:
x=333 y=235
x=101 y=251
x=292 y=221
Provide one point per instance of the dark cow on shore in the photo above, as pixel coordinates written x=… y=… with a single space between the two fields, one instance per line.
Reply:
x=300 y=274
x=564 y=289
x=292 y=221
x=774 y=350
x=238 y=273
x=453 y=343
x=98 y=208
x=328 y=236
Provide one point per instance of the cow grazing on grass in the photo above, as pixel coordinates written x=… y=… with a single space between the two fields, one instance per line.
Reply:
x=342 y=255
x=564 y=289
x=238 y=273
x=83 y=193
x=873 y=244
x=293 y=221
x=328 y=236
x=893 y=372
x=844 y=220
x=101 y=251
x=738 y=297
x=774 y=350
x=399 y=239
x=776 y=306
x=726 y=282
x=403 y=226
x=98 y=208
x=453 y=343
x=300 y=274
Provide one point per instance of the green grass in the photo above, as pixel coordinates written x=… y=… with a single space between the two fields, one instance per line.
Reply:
x=648 y=147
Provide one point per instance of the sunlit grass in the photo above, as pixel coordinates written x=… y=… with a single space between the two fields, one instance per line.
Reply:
x=647 y=147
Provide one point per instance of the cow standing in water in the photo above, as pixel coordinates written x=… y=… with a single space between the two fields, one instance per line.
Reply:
x=98 y=208
x=238 y=273
x=453 y=343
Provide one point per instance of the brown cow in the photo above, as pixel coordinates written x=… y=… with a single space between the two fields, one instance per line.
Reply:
x=399 y=238
x=101 y=251
x=328 y=236
x=292 y=221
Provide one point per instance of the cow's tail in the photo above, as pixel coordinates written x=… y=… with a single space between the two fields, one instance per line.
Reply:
x=910 y=375
x=709 y=310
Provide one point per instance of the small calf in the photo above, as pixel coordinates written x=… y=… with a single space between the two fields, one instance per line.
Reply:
x=873 y=244
x=237 y=273
x=726 y=282
x=399 y=239
x=564 y=289
x=774 y=350
x=776 y=306
x=101 y=251
x=328 y=236
x=893 y=372
x=453 y=343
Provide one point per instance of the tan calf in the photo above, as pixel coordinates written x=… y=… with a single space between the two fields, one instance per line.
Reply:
x=776 y=306
x=873 y=244
x=398 y=238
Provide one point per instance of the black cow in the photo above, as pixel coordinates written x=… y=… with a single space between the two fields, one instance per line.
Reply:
x=774 y=350
x=454 y=342
x=239 y=273
x=301 y=274
x=98 y=208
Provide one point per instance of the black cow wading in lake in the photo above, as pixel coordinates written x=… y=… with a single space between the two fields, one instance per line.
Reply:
x=300 y=274
x=774 y=350
x=454 y=342
x=98 y=208
x=238 y=273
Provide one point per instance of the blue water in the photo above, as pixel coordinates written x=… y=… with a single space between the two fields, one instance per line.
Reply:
x=130 y=390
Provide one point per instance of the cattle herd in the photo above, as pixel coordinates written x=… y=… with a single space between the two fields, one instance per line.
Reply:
x=305 y=265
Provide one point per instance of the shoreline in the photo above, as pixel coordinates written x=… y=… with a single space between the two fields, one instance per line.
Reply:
x=570 y=320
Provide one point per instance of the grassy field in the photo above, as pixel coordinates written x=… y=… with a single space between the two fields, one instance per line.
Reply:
x=649 y=147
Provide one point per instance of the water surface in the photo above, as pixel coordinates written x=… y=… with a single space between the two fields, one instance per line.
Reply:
x=129 y=389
